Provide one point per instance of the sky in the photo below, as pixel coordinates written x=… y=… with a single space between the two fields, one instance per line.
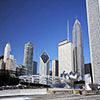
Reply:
x=42 y=22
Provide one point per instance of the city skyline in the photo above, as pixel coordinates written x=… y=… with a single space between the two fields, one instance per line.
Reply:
x=44 y=23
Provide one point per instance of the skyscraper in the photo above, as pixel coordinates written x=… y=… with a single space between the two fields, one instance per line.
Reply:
x=93 y=16
x=34 y=67
x=78 y=58
x=55 y=71
x=28 y=58
x=10 y=64
x=7 y=52
x=2 y=65
x=44 y=66
x=65 y=57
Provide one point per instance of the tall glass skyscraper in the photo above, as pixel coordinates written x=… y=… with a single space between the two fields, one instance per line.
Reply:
x=78 y=58
x=28 y=58
x=93 y=16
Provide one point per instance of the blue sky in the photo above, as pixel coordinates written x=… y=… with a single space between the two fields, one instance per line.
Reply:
x=43 y=22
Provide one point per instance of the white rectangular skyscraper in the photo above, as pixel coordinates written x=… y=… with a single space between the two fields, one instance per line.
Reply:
x=93 y=15
x=65 y=57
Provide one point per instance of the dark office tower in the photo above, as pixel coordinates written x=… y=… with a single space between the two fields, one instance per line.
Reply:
x=34 y=67
x=93 y=16
x=28 y=58
x=78 y=58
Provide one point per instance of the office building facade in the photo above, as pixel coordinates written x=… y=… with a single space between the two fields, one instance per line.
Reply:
x=34 y=67
x=7 y=52
x=20 y=70
x=10 y=65
x=55 y=68
x=78 y=58
x=2 y=65
x=65 y=57
x=88 y=70
x=28 y=58
x=44 y=64
x=44 y=67
x=93 y=16
x=9 y=61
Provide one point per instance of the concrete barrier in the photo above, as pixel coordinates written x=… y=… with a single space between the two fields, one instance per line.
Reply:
x=91 y=92
x=22 y=92
x=60 y=91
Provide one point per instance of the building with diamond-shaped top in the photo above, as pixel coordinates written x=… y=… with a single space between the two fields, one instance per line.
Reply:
x=44 y=66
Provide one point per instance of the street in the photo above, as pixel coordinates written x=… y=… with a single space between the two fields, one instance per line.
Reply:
x=55 y=97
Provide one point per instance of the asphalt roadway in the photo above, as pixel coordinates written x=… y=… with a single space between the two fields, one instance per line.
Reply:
x=65 y=97
x=55 y=97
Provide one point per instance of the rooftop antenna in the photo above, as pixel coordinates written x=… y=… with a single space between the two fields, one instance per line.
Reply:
x=68 y=30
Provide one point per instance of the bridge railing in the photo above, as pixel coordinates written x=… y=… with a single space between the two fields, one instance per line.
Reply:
x=44 y=79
